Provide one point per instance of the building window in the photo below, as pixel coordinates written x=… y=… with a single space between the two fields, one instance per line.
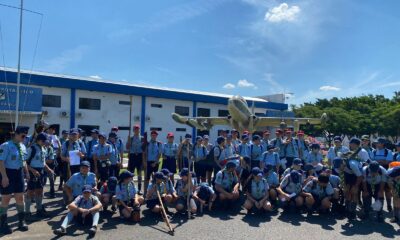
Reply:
x=123 y=128
x=203 y=112
x=183 y=111
x=180 y=129
x=223 y=113
x=88 y=129
x=51 y=101
x=154 y=105
x=89 y=103
x=158 y=129
x=124 y=102
x=203 y=132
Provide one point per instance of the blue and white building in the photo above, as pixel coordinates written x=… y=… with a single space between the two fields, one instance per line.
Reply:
x=71 y=101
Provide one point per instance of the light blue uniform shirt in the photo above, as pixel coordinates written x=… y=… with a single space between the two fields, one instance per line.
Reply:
x=302 y=148
x=272 y=179
x=244 y=150
x=39 y=160
x=12 y=157
x=162 y=188
x=200 y=152
x=379 y=155
x=136 y=144
x=77 y=181
x=180 y=185
x=229 y=150
x=278 y=143
x=86 y=204
x=226 y=179
x=315 y=189
x=114 y=157
x=90 y=147
x=256 y=152
x=314 y=158
x=170 y=149
x=334 y=181
x=119 y=144
x=154 y=149
x=125 y=192
x=102 y=150
x=381 y=177
x=288 y=186
x=259 y=189
x=265 y=143
x=335 y=152
x=291 y=149
x=51 y=155
x=74 y=146
x=270 y=158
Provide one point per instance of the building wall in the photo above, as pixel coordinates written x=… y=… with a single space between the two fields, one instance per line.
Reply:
x=54 y=115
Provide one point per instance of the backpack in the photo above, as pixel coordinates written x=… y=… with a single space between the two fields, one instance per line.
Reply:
x=386 y=152
x=33 y=153
x=210 y=156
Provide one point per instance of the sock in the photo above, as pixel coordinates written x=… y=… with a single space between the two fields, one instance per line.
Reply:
x=67 y=220
x=20 y=208
x=395 y=210
x=398 y=213
x=367 y=204
x=3 y=210
x=39 y=201
x=28 y=203
x=96 y=218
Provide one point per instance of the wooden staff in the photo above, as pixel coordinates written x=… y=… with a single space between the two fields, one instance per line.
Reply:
x=189 y=180
x=164 y=214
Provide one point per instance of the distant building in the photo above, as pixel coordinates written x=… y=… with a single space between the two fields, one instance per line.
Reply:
x=88 y=103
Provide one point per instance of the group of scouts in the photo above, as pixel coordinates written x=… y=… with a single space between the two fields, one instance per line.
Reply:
x=285 y=172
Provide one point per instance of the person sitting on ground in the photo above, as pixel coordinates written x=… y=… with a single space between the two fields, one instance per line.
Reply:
x=84 y=208
x=182 y=187
x=73 y=187
x=227 y=185
x=107 y=192
x=157 y=184
x=257 y=192
x=273 y=182
x=318 y=193
x=128 y=200
x=170 y=196
x=205 y=196
x=290 y=190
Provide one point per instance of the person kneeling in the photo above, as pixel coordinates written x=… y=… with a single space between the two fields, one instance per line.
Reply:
x=318 y=194
x=84 y=208
x=290 y=190
x=158 y=185
x=227 y=185
x=205 y=195
x=107 y=192
x=128 y=200
x=257 y=192
x=182 y=187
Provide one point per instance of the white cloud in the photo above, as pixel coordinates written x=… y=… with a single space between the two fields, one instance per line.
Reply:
x=282 y=13
x=95 y=77
x=67 y=57
x=243 y=83
x=229 y=86
x=329 y=88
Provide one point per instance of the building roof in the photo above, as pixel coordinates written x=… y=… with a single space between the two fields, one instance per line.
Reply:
x=92 y=84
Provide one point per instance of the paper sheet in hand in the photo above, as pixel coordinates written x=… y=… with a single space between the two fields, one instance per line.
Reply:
x=74 y=158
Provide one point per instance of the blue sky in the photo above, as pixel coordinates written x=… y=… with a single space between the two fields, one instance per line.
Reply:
x=312 y=48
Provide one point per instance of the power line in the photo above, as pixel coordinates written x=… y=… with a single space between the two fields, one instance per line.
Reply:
x=15 y=7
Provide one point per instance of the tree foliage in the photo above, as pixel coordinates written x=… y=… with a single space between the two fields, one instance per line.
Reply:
x=368 y=114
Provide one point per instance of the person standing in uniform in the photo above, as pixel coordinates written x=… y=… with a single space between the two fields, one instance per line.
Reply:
x=336 y=151
x=62 y=165
x=90 y=146
x=153 y=154
x=270 y=158
x=170 y=151
x=115 y=157
x=199 y=155
x=265 y=139
x=245 y=159
x=230 y=148
x=101 y=158
x=36 y=162
x=219 y=156
x=256 y=151
x=290 y=148
x=51 y=162
x=119 y=143
x=12 y=167
x=136 y=160
x=314 y=157
x=72 y=144
x=235 y=138
x=185 y=152
x=366 y=144
x=384 y=157
x=302 y=146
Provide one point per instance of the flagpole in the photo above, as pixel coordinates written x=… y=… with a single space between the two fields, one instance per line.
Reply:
x=19 y=67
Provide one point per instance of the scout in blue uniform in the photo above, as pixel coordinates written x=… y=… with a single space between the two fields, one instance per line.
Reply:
x=119 y=143
x=230 y=148
x=290 y=148
x=158 y=184
x=273 y=182
x=336 y=183
x=265 y=139
x=374 y=181
x=227 y=184
x=205 y=196
x=170 y=152
x=302 y=145
x=366 y=144
x=336 y=151
x=257 y=192
x=256 y=151
x=115 y=157
x=90 y=146
x=136 y=160
x=182 y=187
x=219 y=156
x=270 y=158
x=62 y=165
x=318 y=193
x=396 y=155
x=185 y=152
x=107 y=194
x=73 y=143
x=314 y=156
x=53 y=148
x=73 y=187
x=278 y=144
x=170 y=195
x=384 y=157
x=36 y=162
x=12 y=167
x=394 y=181
x=85 y=208
x=128 y=200
x=209 y=162
x=235 y=138
x=290 y=191
x=199 y=156
x=101 y=158
x=245 y=159
x=153 y=154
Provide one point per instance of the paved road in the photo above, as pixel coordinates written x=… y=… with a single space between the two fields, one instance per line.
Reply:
x=218 y=225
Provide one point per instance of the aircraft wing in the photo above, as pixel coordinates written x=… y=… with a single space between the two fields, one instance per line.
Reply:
x=202 y=123
x=292 y=122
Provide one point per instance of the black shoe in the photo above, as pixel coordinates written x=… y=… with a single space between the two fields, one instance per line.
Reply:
x=52 y=195
x=92 y=231
x=42 y=213
x=394 y=220
x=389 y=208
x=4 y=227
x=60 y=188
x=379 y=218
x=140 y=193
x=21 y=222
x=60 y=232
x=29 y=217
x=114 y=209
